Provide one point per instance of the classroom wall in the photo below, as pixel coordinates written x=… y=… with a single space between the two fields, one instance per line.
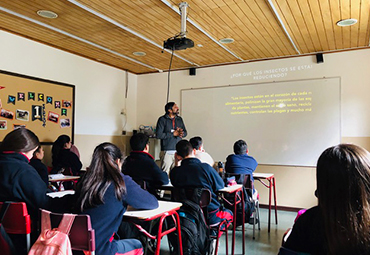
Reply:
x=100 y=98
x=100 y=90
x=295 y=185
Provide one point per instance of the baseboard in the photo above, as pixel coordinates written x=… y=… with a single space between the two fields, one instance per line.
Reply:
x=281 y=208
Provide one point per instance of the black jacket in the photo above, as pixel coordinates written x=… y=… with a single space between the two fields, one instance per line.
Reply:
x=41 y=169
x=164 y=128
x=20 y=182
x=67 y=159
x=141 y=167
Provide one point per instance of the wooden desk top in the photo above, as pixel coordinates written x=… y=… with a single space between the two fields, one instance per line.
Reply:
x=262 y=175
x=231 y=189
x=163 y=207
x=60 y=193
x=63 y=178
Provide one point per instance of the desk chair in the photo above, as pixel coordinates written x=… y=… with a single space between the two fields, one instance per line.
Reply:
x=202 y=197
x=248 y=185
x=18 y=221
x=82 y=235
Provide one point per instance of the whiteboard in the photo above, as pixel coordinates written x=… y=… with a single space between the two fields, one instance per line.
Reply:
x=283 y=123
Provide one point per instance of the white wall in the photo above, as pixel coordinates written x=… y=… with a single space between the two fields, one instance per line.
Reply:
x=295 y=184
x=100 y=89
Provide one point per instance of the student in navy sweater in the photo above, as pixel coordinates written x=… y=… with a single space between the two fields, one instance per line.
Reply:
x=193 y=173
x=104 y=193
x=20 y=182
x=140 y=165
x=64 y=158
x=41 y=169
x=241 y=162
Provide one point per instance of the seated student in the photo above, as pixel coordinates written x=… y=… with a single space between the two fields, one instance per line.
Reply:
x=140 y=164
x=200 y=153
x=193 y=173
x=63 y=158
x=241 y=162
x=104 y=193
x=42 y=170
x=20 y=182
x=340 y=224
x=75 y=150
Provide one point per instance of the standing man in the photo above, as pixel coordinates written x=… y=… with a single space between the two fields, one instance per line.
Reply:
x=170 y=129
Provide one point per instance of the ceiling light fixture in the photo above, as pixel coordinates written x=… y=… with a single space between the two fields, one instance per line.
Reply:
x=75 y=37
x=127 y=29
x=139 y=53
x=346 y=22
x=226 y=40
x=47 y=14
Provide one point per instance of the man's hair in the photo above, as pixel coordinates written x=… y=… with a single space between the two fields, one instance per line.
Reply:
x=240 y=147
x=184 y=148
x=196 y=142
x=139 y=141
x=168 y=106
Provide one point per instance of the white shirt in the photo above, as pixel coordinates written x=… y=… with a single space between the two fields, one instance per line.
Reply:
x=204 y=157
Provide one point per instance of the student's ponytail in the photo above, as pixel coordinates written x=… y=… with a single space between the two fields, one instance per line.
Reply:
x=103 y=172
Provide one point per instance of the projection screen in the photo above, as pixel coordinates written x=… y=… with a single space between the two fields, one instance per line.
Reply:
x=283 y=123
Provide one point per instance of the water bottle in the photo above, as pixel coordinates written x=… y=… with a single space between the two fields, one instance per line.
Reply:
x=221 y=171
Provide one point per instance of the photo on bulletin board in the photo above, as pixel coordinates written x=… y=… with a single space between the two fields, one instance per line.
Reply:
x=43 y=106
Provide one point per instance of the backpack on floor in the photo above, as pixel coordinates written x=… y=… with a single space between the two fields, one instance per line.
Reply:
x=195 y=233
x=248 y=206
x=53 y=241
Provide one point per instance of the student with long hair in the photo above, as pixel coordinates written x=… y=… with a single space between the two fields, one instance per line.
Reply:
x=63 y=157
x=20 y=182
x=104 y=193
x=340 y=224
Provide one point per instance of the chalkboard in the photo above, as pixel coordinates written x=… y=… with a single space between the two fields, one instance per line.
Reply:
x=42 y=106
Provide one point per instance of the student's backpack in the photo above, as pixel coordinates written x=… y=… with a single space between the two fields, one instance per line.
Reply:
x=195 y=233
x=248 y=206
x=53 y=241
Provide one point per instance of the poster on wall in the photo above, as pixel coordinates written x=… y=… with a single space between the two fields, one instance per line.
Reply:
x=43 y=106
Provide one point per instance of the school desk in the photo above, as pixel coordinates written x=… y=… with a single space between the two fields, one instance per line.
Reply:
x=164 y=210
x=237 y=199
x=270 y=185
x=59 y=179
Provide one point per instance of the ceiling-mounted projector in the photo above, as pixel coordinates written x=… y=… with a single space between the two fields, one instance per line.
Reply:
x=179 y=41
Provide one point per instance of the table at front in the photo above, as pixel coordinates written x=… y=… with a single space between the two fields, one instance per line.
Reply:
x=271 y=179
x=65 y=178
x=164 y=210
x=237 y=199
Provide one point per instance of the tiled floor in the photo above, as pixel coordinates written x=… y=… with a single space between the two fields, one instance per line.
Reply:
x=264 y=244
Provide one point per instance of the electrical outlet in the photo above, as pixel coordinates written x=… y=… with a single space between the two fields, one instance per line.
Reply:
x=123 y=132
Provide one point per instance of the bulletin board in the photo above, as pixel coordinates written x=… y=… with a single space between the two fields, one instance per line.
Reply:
x=42 y=106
